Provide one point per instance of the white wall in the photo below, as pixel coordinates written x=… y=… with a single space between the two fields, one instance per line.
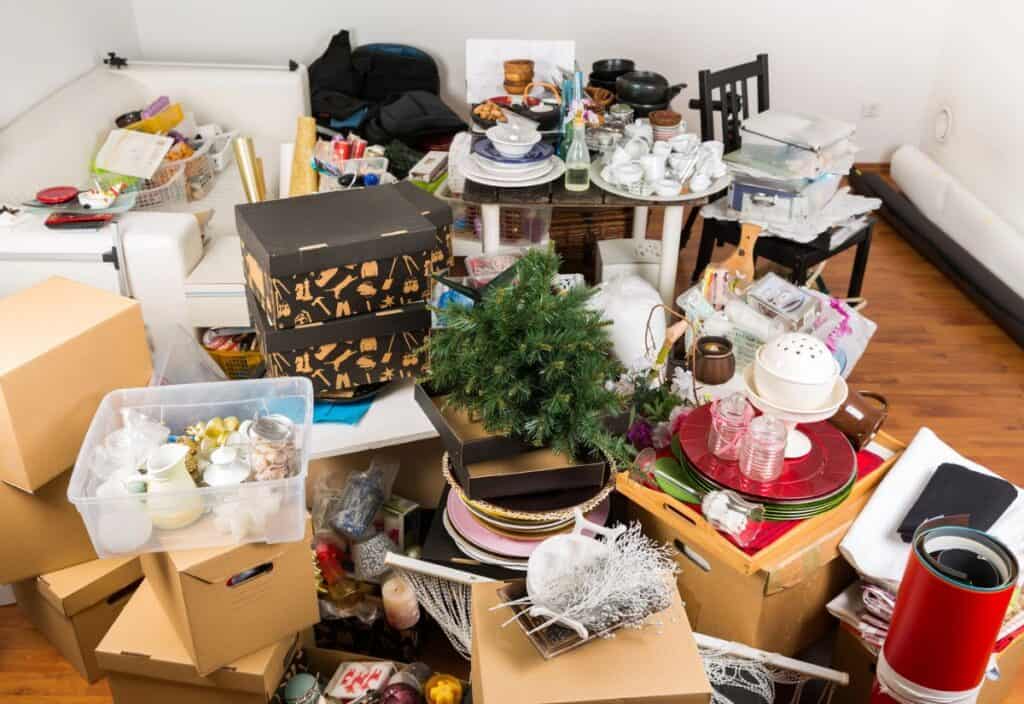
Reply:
x=827 y=57
x=47 y=43
x=978 y=78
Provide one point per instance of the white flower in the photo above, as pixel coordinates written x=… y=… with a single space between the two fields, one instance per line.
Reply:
x=682 y=384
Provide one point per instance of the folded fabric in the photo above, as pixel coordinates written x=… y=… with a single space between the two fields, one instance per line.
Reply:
x=954 y=490
x=349 y=413
x=873 y=545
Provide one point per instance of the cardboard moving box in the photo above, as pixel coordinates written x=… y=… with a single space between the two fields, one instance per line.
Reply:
x=656 y=664
x=65 y=346
x=774 y=599
x=41 y=532
x=147 y=663
x=225 y=603
x=74 y=607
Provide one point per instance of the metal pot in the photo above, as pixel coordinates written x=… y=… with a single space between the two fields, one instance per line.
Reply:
x=645 y=88
x=610 y=69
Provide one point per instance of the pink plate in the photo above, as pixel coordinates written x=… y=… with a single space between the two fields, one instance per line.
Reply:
x=822 y=471
x=462 y=520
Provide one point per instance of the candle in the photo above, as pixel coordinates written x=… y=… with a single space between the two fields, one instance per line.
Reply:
x=400 y=607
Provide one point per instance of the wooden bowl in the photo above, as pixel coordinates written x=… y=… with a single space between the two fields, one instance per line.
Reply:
x=518 y=71
x=665 y=118
x=516 y=88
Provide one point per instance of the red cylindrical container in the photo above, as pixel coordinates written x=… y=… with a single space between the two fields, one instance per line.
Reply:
x=951 y=603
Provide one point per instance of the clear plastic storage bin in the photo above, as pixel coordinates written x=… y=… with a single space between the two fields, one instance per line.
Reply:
x=271 y=510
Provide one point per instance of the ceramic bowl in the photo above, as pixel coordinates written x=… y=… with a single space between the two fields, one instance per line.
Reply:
x=667 y=187
x=627 y=174
x=510 y=143
x=795 y=371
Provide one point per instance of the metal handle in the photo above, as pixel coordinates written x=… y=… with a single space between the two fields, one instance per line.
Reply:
x=763 y=200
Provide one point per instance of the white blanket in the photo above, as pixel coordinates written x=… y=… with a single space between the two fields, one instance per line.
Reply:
x=873 y=546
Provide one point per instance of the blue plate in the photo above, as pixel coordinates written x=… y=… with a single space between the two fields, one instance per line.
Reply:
x=539 y=152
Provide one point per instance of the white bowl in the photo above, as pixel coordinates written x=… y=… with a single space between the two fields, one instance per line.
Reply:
x=667 y=187
x=627 y=174
x=791 y=387
x=511 y=145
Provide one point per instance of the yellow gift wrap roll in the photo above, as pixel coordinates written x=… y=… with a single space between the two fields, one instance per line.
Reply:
x=304 y=179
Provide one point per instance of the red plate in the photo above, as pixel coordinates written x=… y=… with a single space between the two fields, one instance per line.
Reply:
x=57 y=194
x=822 y=471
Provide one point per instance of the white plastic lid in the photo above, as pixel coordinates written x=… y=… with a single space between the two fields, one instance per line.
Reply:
x=798 y=357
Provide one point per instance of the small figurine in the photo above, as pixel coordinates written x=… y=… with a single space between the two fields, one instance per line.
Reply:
x=100 y=198
x=443 y=689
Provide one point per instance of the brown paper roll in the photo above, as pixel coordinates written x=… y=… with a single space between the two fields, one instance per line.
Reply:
x=304 y=179
x=245 y=157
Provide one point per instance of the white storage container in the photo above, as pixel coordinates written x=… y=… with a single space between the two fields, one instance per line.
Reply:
x=770 y=201
x=272 y=510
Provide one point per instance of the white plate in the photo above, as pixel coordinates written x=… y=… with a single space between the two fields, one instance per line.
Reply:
x=474 y=173
x=717 y=185
x=520 y=171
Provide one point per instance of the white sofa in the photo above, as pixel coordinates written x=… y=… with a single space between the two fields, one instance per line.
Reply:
x=157 y=257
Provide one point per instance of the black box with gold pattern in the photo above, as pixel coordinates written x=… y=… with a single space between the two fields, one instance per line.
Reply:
x=342 y=357
x=327 y=256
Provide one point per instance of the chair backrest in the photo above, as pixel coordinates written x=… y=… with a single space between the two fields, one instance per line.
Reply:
x=733 y=99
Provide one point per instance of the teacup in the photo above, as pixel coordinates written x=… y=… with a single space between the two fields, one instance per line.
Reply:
x=653 y=167
x=637 y=147
x=684 y=143
x=662 y=149
x=627 y=174
x=620 y=156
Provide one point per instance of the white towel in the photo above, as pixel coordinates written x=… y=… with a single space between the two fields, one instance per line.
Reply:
x=873 y=546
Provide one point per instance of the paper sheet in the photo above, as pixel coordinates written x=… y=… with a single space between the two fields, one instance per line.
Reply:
x=133 y=153
x=872 y=544
x=843 y=206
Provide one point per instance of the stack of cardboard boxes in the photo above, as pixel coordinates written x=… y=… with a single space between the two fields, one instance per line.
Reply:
x=67 y=345
x=338 y=283
x=218 y=624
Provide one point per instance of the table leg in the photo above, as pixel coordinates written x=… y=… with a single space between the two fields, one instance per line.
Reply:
x=860 y=265
x=640 y=222
x=670 y=231
x=491 y=236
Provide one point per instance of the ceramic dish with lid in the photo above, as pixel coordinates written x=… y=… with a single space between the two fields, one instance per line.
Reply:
x=795 y=371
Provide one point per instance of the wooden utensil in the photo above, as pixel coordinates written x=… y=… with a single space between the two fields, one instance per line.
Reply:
x=739 y=266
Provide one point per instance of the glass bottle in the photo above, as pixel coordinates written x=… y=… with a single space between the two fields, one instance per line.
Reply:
x=577 y=161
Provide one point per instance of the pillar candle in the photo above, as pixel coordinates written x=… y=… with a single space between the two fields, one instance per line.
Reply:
x=400 y=607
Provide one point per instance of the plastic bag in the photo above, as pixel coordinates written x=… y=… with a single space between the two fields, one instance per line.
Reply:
x=845 y=331
x=348 y=511
x=178 y=358
x=626 y=302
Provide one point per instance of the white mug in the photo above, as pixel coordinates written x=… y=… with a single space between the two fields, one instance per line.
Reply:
x=654 y=168
x=662 y=149
x=637 y=147
x=619 y=156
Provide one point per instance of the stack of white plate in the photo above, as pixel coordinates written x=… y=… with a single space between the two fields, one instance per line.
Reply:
x=487 y=166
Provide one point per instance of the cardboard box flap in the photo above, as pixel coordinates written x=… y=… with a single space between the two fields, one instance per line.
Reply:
x=44 y=317
x=74 y=589
x=414 y=316
x=658 y=663
x=142 y=642
x=218 y=565
x=315 y=232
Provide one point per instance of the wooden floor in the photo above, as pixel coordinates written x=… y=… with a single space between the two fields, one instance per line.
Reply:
x=939 y=359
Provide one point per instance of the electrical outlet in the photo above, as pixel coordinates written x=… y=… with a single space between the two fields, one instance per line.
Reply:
x=870 y=110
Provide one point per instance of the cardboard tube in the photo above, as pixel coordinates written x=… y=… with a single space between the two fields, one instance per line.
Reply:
x=245 y=157
x=261 y=184
x=304 y=179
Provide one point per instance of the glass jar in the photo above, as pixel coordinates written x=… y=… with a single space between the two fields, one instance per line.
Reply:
x=730 y=417
x=272 y=450
x=763 y=449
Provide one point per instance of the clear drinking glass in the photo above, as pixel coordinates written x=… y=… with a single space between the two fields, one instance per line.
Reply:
x=730 y=417
x=763 y=449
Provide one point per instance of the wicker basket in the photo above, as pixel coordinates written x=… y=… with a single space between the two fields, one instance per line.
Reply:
x=575 y=232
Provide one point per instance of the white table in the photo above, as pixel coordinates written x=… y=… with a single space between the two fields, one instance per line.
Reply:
x=394 y=418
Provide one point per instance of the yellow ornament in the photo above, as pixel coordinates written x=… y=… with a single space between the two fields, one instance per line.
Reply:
x=443 y=689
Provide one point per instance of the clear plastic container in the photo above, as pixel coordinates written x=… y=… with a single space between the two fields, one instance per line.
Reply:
x=273 y=511
x=167 y=187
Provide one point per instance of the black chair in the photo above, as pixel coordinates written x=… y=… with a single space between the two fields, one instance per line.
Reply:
x=733 y=103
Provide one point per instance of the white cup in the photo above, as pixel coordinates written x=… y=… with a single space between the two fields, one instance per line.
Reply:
x=636 y=147
x=654 y=168
x=662 y=149
x=620 y=156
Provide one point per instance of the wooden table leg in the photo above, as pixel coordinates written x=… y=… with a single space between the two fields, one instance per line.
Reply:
x=640 y=222
x=671 y=230
x=860 y=265
x=491 y=236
